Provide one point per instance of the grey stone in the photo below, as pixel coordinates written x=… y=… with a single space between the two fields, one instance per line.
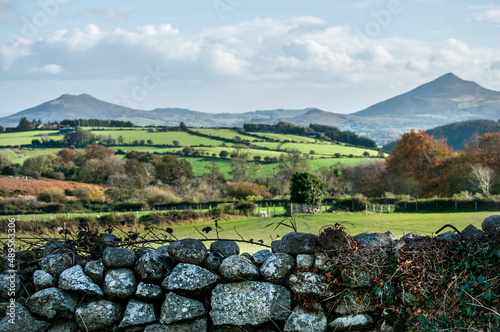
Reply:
x=385 y=327
x=249 y=302
x=148 y=291
x=142 y=251
x=309 y=284
x=321 y=262
x=52 y=303
x=55 y=264
x=55 y=247
x=350 y=323
x=98 y=315
x=42 y=280
x=64 y=326
x=260 y=257
x=95 y=270
x=118 y=257
x=376 y=239
x=448 y=236
x=237 y=268
x=470 y=232
x=349 y=304
x=138 y=313
x=152 y=267
x=189 y=278
x=247 y=256
x=7 y=282
x=176 y=308
x=304 y=261
x=212 y=262
x=356 y=277
x=23 y=321
x=188 y=251
x=302 y=320
x=109 y=239
x=410 y=237
x=275 y=246
x=120 y=283
x=74 y=279
x=491 y=224
x=198 y=325
x=297 y=243
x=163 y=250
x=225 y=248
x=277 y=267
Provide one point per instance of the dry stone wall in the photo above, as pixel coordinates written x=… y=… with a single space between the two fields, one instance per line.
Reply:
x=187 y=287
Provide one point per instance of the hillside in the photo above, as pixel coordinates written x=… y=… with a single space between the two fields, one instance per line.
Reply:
x=445 y=100
x=459 y=133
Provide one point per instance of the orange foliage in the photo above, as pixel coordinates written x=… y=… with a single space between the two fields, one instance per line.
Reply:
x=35 y=187
x=424 y=159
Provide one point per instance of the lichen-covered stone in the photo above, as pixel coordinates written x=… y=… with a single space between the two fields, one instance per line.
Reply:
x=138 y=313
x=354 y=301
x=6 y=281
x=237 y=268
x=52 y=303
x=260 y=257
x=356 y=277
x=212 y=262
x=95 y=316
x=197 y=325
x=95 y=270
x=189 y=278
x=275 y=246
x=304 y=261
x=295 y=243
x=449 y=236
x=114 y=258
x=176 y=308
x=491 y=224
x=410 y=237
x=120 y=283
x=249 y=302
x=225 y=248
x=64 y=326
x=55 y=264
x=350 y=323
x=303 y=320
x=190 y=251
x=152 y=267
x=277 y=267
x=23 y=321
x=308 y=284
x=376 y=239
x=470 y=232
x=148 y=292
x=163 y=250
x=42 y=280
x=74 y=279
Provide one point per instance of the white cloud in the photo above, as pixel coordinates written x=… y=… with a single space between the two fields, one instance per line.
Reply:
x=15 y=49
x=489 y=13
x=52 y=69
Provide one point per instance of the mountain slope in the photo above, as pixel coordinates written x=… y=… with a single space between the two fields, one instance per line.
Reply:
x=446 y=99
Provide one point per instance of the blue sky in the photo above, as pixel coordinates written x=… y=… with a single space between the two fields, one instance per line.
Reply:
x=241 y=55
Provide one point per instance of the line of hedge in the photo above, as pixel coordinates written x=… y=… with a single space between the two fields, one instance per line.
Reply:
x=447 y=205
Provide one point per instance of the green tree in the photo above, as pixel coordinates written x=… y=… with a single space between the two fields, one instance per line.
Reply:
x=25 y=124
x=171 y=169
x=183 y=127
x=306 y=188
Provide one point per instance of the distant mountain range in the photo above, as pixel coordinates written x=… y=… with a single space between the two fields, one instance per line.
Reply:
x=445 y=100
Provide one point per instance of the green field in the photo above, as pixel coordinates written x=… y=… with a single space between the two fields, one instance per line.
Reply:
x=18 y=156
x=321 y=149
x=291 y=138
x=25 y=137
x=224 y=133
x=159 y=138
x=355 y=223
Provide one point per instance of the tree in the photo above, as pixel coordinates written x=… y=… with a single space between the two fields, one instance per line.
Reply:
x=366 y=154
x=121 y=140
x=80 y=138
x=306 y=188
x=51 y=195
x=183 y=127
x=87 y=193
x=483 y=178
x=176 y=143
x=25 y=124
x=150 y=142
x=223 y=154
x=420 y=158
x=171 y=169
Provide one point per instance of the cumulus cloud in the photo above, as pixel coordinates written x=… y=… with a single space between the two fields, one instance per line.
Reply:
x=305 y=50
x=52 y=69
x=489 y=13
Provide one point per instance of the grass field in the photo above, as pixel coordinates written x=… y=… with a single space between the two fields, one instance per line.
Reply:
x=224 y=133
x=355 y=223
x=321 y=149
x=25 y=137
x=18 y=156
x=291 y=138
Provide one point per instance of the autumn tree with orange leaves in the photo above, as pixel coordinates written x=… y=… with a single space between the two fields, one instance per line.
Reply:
x=421 y=164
